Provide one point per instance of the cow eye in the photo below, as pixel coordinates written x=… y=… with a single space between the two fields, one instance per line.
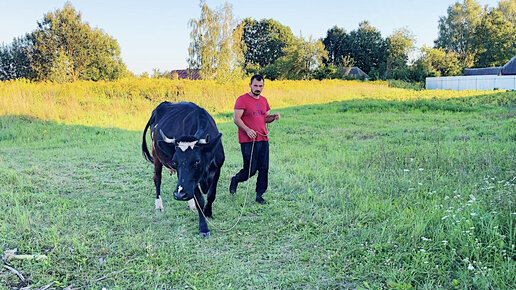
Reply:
x=196 y=163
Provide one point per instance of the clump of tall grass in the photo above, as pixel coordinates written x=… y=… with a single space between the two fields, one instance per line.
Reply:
x=127 y=103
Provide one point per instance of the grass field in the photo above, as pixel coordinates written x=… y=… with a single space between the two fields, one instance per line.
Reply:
x=363 y=194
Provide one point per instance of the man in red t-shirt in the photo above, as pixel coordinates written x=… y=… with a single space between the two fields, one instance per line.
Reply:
x=251 y=115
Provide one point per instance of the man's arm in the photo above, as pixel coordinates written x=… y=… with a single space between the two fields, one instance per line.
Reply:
x=237 y=118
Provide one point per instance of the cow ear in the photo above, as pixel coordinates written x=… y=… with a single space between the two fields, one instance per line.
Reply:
x=213 y=142
x=205 y=140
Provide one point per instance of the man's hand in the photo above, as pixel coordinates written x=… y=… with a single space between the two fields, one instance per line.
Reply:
x=272 y=118
x=251 y=133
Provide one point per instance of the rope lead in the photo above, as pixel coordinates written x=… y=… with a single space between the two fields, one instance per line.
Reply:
x=246 y=193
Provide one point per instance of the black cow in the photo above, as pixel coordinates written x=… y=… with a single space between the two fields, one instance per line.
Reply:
x=185 y=139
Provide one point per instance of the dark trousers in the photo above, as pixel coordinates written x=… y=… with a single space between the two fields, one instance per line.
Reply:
x=260 y=163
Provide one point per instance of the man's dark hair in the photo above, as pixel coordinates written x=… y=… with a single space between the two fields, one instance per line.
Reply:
x=256 y=77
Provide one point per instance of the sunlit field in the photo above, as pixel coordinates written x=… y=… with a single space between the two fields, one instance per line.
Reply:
x=370 y=188
x=127 y=104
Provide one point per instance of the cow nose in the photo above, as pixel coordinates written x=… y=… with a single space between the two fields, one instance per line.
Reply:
x=180 y=194
x=181 y=197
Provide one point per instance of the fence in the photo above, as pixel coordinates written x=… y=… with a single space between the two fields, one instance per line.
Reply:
x=480 y=82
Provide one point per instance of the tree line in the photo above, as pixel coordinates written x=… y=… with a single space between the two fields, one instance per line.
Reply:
x=469 y=36
x=64 y=49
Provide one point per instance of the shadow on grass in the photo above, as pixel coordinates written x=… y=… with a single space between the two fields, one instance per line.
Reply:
x=26 y=130
x=495 y=101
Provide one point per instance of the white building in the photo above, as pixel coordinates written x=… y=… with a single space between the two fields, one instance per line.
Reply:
x=502 y=78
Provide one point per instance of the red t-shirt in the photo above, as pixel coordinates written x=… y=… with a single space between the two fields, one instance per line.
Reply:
x=255 y=111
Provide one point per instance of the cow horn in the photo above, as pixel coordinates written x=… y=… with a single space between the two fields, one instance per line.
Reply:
x=205 y=140
x=166 y=139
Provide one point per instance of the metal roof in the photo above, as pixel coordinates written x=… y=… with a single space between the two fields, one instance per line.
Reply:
x=482 y=71
x=510 y=67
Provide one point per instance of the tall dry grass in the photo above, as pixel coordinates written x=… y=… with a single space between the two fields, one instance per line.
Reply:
x=128 y=103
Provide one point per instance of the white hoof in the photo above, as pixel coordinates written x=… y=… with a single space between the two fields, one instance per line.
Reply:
x=159 y=204
x=191 y=205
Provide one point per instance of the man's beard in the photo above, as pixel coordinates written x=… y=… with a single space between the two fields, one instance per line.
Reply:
x=256 y=93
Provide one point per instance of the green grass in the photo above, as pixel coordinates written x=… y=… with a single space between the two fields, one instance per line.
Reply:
x=363 y=194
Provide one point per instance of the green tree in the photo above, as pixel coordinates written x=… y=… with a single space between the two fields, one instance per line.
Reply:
x=331 y=71
x=264 y=41
x=63 y=41
x=60 y=71
x=456 y=30
x=399 y=46
x=203 y=45
x=336 y=44
x=436 y=62
x=14 y=59
x=300 y=61
x=104 y=61
x=508 y=10
x=327 y=71
x=495 y=39
x=215 y=48
x=367 y=47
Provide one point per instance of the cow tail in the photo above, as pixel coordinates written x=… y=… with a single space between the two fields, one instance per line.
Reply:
x=145 y=150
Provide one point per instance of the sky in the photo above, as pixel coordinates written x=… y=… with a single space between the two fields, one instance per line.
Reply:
x=154 y=34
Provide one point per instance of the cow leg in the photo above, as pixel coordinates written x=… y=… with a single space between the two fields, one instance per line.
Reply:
x=203 y=226
x=212 y=192
x=158 y=167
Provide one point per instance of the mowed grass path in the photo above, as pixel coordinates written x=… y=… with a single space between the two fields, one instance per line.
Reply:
x=363 y=194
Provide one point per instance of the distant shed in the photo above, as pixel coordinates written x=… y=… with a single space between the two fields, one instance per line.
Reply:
x=510 y=67
x=355 y=72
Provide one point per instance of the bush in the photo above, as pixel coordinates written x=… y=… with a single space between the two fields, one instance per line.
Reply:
x=406 y=85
